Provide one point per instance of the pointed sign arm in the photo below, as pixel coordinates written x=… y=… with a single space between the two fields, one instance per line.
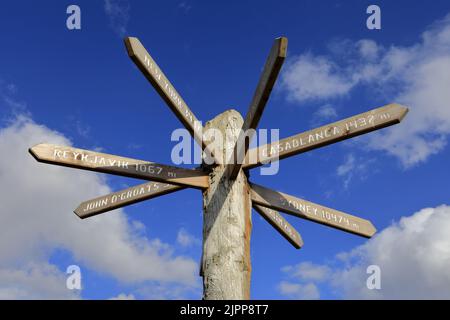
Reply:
x=341 y=130
x=311 y=211
x=124 y=198
x=127 y=167
x=280 y=224
x=166 y=90
x=261 y=96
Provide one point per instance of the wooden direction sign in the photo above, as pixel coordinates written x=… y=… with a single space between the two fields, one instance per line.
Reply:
x=102 y=162
x=351 y=127
x=281 y=225
x=166 y=90
x=311 y=211
x=226 y=241
x=124 y=197
x=264 y=88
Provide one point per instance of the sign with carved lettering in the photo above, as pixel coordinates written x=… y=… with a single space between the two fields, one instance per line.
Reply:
x=124 y=197
x=311 y=211
x=280 y=224
x=106 y=163
x=351 y=127
x=263 y=89
x=166 y=90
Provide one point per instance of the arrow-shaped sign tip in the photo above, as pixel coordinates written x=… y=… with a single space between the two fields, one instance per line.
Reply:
x=33 y=151
x=129 y=44
x=371 y=230
x=281 y=44
x=402 y=111
x=300 y=244
x=78 y=211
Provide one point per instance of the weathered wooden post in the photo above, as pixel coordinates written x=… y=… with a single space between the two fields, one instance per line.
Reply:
x=227 y=224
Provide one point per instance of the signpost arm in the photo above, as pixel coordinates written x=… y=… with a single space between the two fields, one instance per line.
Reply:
x=311 y=211
x=261 y=96
x=124 y=198
x=366 y=122
x=166 y=90
x=280 y=224
x=127 y=167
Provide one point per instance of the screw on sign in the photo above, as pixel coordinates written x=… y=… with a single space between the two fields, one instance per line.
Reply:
x=228 y=195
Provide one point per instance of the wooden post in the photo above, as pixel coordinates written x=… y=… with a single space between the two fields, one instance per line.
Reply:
x=227 y=225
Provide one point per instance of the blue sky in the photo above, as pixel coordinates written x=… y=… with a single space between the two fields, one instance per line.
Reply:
x=80 y=87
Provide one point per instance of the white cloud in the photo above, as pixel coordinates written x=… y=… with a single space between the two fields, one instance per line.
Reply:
x=353 y=167
x=298 y=291
x=417 y=76
x=304 y=277
x=323 y=113
x=185 y=7
x=368 y=49
x=307 y=271
x=167 y=292
x=34 y=281
x=347 y=166
x=82 y=130
x=8 y=93
x=307 y=77
x=185 y=239
x=118 y=12
x=36 y=218
x=347 y=169
x=413 y=255
x=326 y=111
x=123 y=296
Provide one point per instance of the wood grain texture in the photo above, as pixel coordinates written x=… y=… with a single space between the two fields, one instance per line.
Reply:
x=144 y=61
x=312 y=139
x=225 y=265
x=280 y=224
x=124 y=198
x=261 y=96
x=311 y=211
x=127 y=167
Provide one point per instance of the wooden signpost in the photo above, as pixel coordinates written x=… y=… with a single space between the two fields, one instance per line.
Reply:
x=228 y=196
